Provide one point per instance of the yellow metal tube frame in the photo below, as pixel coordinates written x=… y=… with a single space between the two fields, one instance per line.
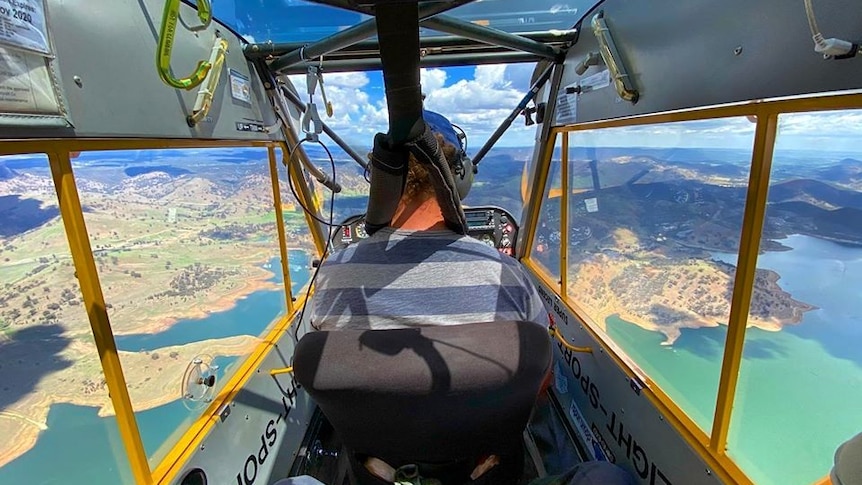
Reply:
x=168 y=33
x=94 y=302
x=72 y=216
x=564 y=216
x=283 y=370
x=279 y=222
x=711 y=448
x=746 y=268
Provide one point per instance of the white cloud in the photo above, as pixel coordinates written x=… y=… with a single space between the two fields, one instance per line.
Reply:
x=480 y=104
x=477 y=105
x=432 y=79
x=354 y=118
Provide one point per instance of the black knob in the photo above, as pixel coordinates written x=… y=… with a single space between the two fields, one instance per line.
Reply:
x=209 y=381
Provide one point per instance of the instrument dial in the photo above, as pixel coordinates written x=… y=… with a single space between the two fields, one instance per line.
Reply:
x=360 y=231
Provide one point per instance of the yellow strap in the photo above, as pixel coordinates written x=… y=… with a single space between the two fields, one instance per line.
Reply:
x=554 y=331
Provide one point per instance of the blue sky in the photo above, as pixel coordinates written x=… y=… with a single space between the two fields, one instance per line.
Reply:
x=476 y=98
x=479 y=98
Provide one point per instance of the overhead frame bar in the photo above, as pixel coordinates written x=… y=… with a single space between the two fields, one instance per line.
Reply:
x=444 y=60
x=480 y=33
x=347 y=37
x=264 y=50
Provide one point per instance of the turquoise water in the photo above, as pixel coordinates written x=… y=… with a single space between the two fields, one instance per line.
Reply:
x=251 y=315
x=81 y=448
x=799 y=390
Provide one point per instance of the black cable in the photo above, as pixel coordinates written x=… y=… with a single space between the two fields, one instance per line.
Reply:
x=293 y=189
x=462 y=138
x=329 y=225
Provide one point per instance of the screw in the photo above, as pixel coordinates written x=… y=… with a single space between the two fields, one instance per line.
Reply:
x=708 y=472
x=78 y=81
x=738 y=50
x=202 y=447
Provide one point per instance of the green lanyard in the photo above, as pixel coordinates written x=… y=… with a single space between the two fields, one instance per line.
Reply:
x=166 y=44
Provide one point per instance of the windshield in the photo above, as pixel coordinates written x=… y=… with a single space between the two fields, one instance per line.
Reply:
x=476 y=98
x=303 y=21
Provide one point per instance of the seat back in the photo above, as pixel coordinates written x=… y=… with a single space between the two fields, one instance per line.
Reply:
x=427 y=394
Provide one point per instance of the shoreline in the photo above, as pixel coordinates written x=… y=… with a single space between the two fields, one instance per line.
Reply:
x=224 y=303
x=35 y=407
x=594 y=283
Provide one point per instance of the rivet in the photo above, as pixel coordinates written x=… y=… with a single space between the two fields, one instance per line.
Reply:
x=738 y=50
x=78 y=81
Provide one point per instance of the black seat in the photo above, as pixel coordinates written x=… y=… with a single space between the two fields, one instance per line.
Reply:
x=427 y=395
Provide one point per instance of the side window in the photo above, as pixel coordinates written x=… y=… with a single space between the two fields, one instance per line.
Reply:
x=801 y=376
x=54 y=403
x=188 y=256
x=546 y=240
x=653 y=213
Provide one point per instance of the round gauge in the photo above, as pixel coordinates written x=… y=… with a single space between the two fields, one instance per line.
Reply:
x=487 y=239
x=360 y=231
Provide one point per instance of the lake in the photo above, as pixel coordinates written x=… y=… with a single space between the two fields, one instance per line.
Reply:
x=799 y=389
x=81 y=448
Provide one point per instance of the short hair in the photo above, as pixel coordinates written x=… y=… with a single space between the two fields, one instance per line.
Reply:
x=419 y=184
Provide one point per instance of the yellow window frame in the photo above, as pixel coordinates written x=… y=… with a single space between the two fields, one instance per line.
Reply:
x=58 y=152
x=712 y=447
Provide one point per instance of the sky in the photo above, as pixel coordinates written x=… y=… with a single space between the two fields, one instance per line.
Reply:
x=479 y=98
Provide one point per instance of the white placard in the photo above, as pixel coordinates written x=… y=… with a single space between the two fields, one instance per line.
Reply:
x=25 y=84
x=22 y=25
x=596 y=81
x=592 y=204
x=240 y=88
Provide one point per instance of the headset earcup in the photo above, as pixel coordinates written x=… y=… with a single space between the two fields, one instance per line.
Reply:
x=464 y=183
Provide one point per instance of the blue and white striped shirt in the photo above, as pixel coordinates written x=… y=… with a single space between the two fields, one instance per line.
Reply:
x=398 y=278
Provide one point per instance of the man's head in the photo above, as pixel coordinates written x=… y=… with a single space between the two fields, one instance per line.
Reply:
x=419 y=186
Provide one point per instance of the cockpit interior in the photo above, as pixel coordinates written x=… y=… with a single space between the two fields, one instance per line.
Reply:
x=680 y=181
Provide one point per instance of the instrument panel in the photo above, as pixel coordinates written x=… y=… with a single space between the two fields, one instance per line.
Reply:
x=491 y=225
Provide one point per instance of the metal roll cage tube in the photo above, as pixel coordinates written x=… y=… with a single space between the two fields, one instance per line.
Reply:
x=450 y=25
x=287 y=124
x=349 y=36
x=264 y=50
x=534 y=89
x=296 y=102
x=442 y=60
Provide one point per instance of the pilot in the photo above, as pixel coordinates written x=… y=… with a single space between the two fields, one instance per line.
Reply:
x=418 y=272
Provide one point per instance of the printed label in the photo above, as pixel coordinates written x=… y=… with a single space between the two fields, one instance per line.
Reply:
x=240 y=88
x=22 y=25
x=25 y=86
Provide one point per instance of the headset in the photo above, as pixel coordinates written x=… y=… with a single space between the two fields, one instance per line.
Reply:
x=463 y=169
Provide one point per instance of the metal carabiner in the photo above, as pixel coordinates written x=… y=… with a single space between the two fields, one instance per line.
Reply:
x=166 y=44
